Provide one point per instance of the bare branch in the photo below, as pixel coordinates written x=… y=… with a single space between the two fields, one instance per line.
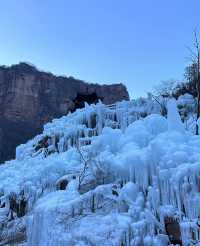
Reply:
x=156 y=100
x=196 y=41
x=193 y=54
x=82 y=174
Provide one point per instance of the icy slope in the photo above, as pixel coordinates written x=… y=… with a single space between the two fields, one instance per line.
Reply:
x=123 y=180
x=42 y=161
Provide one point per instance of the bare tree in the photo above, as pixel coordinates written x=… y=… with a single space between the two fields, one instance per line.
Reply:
x=162 y=92
x=91 y=165
x=193 y=71
x=161 y=102
x=85 y=167
x=165 y=88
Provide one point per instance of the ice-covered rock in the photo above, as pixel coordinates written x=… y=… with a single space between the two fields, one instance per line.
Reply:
x=124 y=179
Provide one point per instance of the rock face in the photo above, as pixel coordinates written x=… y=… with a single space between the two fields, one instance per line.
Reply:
x=29 y=98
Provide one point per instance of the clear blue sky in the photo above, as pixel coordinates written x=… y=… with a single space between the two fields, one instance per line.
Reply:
x=137 y=42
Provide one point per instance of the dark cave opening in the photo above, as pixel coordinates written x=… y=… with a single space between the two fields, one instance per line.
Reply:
x=79 y=101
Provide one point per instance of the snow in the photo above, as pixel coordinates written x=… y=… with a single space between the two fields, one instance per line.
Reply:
x=138 y=171
x=81 y=225
x=173 y=117
x=186 y=100
x=32 y=176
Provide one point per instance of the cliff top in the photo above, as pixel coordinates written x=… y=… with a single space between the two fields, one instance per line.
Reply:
x=27 y=67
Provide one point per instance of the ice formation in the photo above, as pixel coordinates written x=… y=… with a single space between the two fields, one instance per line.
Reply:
x=173 y=117
x=117 y=175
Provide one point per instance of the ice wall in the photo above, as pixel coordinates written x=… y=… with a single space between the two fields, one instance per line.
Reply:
x=143 y=169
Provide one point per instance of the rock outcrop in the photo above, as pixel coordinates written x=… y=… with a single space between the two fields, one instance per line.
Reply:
x=29 y=98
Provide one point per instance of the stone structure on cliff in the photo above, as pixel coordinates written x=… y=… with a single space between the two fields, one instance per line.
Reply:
x=29 y=98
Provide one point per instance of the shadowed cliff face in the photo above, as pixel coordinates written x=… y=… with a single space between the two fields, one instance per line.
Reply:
x=29 y=98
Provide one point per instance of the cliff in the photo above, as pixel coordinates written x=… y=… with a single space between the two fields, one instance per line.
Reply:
x=29 y=98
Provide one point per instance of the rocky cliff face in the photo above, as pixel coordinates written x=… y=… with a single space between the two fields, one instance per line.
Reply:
x=29 y=98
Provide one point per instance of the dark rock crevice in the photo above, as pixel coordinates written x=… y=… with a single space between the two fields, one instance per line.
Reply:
x=79 y=101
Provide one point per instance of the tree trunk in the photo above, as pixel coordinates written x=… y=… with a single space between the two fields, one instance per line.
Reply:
x=198 y=113
x=198 y=89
